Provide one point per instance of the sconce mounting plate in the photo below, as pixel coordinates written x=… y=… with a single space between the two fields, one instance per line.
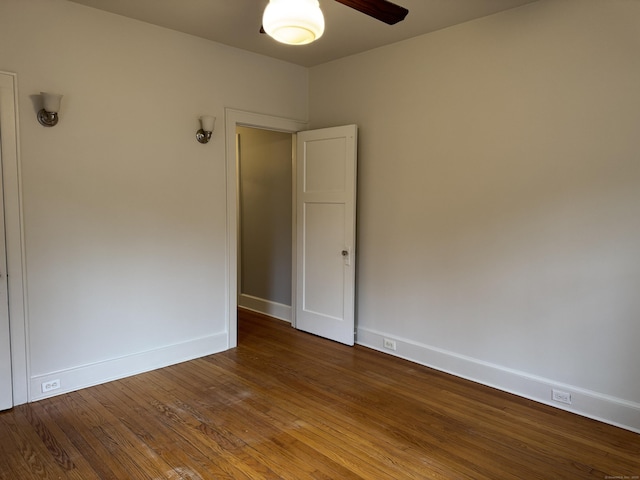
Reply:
x=202 y=136
x=47 y=119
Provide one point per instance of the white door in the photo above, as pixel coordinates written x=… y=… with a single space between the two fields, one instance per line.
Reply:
x=6 y=388
x=326 y=214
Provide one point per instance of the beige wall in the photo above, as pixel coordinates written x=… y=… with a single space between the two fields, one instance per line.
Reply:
x=499 y=198
x=124 y=212
x=265 y=214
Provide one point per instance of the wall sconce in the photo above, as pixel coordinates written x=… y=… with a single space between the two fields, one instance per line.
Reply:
x=48 y=115
x=207 y=122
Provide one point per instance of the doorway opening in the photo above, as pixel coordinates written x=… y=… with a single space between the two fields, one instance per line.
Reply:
x=265 y=237
x=233 y=120
x=323 y=198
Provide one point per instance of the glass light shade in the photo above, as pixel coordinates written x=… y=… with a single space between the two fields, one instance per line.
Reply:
x=294 y=22
x=207 y=122
x=51 y=102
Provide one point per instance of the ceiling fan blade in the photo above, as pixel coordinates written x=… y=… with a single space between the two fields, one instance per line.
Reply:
x=382 y=10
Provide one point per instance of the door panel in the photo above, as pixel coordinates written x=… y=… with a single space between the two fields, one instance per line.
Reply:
x=325 y=208
x=323 y=242
x=324 y=166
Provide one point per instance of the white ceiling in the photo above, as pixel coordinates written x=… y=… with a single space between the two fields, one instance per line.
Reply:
x=237 y=23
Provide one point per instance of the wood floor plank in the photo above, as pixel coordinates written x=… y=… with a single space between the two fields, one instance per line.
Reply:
x=179 y=442
x=30 y=454
x=46 y=421
x=289 y=405
x=15 y=464
x=360 y=411
x=344 y=436
x=264 y=432
x=88 y=461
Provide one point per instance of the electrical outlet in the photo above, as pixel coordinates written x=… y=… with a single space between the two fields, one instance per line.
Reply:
x=50 y=385
x=560 y=396
x=389 y=344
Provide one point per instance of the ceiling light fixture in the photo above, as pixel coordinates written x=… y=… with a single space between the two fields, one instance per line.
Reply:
x=294 y=22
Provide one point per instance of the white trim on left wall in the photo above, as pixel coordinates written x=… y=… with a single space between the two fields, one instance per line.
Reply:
x=96 y=373
x=12 y=187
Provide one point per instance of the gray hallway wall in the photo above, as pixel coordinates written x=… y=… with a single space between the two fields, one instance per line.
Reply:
x=265 y=218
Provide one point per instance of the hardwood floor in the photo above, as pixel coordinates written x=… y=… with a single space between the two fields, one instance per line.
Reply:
x=288 y=405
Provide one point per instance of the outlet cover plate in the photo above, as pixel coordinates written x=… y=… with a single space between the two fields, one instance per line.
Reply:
x=389 y=344
x=50 y=385
x=560 y=396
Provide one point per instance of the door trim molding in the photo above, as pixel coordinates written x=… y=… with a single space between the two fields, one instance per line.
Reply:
x=234 y=118
x=12 y=182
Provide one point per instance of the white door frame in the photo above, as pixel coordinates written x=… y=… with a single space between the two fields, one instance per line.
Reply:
x=234 y=118
x=14 y=235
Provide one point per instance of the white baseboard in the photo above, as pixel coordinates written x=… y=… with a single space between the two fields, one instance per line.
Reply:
x=605 y=408
x=260 y=305
x=92 y=374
